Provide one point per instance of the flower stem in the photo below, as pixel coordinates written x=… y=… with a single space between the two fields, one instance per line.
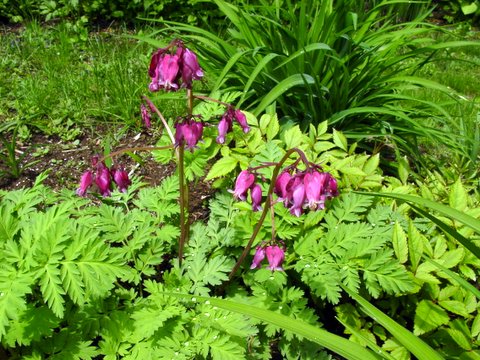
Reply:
x=268 y=204
x=160 y=115
x=139 y=148
x=183 y=225
x=207 y=98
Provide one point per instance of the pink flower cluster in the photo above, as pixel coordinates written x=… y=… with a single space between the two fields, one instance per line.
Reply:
x=246 y=182
x=226 y=123
x=275 y=256
x=173 y=67
x=297 y=189
x=102 y=177
x=305 y=189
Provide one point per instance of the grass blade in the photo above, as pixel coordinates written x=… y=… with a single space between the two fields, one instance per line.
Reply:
x=416 y=346
x=432 y=205
x=335 y=343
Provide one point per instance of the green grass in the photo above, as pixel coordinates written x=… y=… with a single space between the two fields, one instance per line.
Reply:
x=53 y=82
x=459 y=70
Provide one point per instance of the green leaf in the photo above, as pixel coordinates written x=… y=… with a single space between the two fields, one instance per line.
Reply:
x=33 y=324
x=461 y=281
x=428 y=317
x=458 y=196
x=415 y=245
x=414 y=344
x=340 y=140
x=222 y=167
x=52 y=291
x=372 y=164
x=399 y=242
x=460 y=333
x=454 y=306
x=469 y=8
x=13 y=288
x=293 y=137
x=442 y=209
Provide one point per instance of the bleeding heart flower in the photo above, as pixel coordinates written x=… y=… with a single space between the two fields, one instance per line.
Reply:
x=258 y=258
x=244 y=181
x=85 y=182
x=275 y=256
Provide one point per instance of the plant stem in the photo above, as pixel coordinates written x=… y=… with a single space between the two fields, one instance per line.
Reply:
x=183 y=228
x=164 y=122
x=268 y=204
x=139 y=148
x=207 y=98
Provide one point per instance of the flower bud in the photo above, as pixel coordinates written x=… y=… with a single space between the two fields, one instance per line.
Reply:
x=256 y=196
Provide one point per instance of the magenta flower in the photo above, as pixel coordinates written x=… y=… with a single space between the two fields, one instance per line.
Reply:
x=314 y=188
x=145 y=116
x=275 y=256
x=281 y=186
x=242 y=120
x=224 y=127
x=296 y=194
x=103 y=180
x=256 y=196
x=226 y=123
x=244 y=181
x=121 y=179
x=190 y=69
x=189 y=132
x=168 y=72
x=258 y=258
x=85 y=182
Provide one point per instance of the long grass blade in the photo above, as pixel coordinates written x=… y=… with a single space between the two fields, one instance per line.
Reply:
x=432 y=205
x=415 y=345
x=283 y=86
x=335 y=343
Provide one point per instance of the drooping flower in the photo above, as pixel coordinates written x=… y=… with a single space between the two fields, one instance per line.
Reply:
x=275 y=256
x=190 y=69
x=258 y=258
x=224 y=127
x=171 y=69
x=103 y=180
x=242 y=120
x=188 y=132
x=314 y=188
x=145 y=116
x=226 y=123
x=296 y=194
x=256 y=196
x=281 y=186
x=85 y=182
x=244 y=181
x=120 y=176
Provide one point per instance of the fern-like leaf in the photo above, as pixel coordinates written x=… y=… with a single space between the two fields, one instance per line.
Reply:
x=51 y=288
x=14 y=286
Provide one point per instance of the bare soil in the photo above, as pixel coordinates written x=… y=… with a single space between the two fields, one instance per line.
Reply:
x=65 y=162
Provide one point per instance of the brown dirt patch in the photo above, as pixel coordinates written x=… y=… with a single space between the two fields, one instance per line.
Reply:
x=65 y=162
